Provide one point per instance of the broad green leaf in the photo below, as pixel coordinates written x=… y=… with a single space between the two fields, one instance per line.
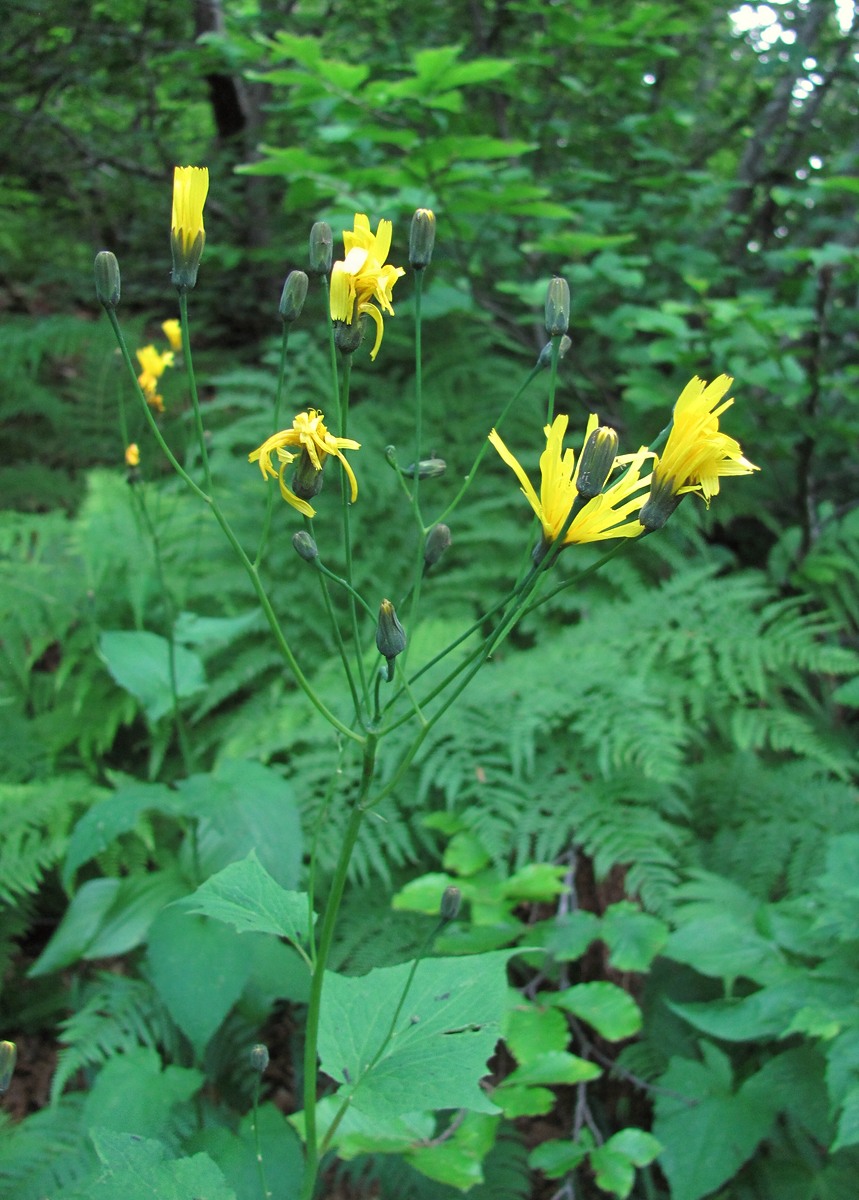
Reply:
x=537 y=882
x=445 y=1033
x=364 y=1133
x=245 y=896
x=108 y=917
x=140 y=662
x=531 y=1031
x=134 y=1168
x=236 y=1155
x=193 y=630
x=611 y=1011
x=572 y=935
x=516 y=1101
x=458 y=1159
x=199 y=968
x=634 y=938
x=554 y=1067
x=848 y=1121
x=119 y=813
x=706 y=1128
x=135 y=1093
x=614 y=1172
x=557 y=1158
x=722 y=947
x=638 y=1146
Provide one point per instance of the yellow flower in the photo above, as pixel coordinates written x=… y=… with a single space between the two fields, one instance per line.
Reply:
x=605 y=516
x=153 y=367
x=363 y=276
x=132 y=455
x=311 y=437
x=187 y=235
x=173 y=332
x=696 y=453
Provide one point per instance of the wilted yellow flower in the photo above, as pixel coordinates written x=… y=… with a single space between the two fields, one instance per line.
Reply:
x=310 y=436
x=187 y=235
x=605 y=516
x=363 y=277
x=696 y=453
x=132 y=455
x=173 y=332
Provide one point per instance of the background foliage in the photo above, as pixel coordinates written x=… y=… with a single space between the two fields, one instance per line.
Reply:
x=652 y=787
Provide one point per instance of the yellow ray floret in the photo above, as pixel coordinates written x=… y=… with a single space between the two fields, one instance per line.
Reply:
x=697 y=453
x=309 y=434
x=363 y=280
x=605 y=516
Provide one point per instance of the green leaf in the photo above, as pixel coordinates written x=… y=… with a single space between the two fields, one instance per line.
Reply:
x=134 y=1168
x=554 y=1067
x=193 y=630
x=614 y=1172
x=458 y=1160
x=557 y=1158
x=446 y=1031
x=109 y=917
x=236 y=1154
x=531 y=1031
x=134 y=1093
x=634 y=938
x=848 y=1122
x=638 y=1146
x=245 y=896
x=721 y=946
x=707 y=1129
x=199 y=968
x=121 y=812
x=523 y=1101
x=140 y=662
x=607 y=1008
x=572 y=934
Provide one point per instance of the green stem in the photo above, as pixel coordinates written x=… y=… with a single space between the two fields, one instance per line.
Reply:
x=326 y=937
x=335 y=627
x=553 y=378
x=278 y=401
x=257 y=1146
x=346 y=506
x=192 y=385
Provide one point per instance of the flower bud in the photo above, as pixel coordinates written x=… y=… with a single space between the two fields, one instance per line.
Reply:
x=557 y=307
x=596 y=462
x=545 y=359
x=658 y=507
x=107 y=279
x=293 y=296
x=390 y=635
x=307 y=477
x=321 y=248
x=426 y=468
x=304 y=545
x=8 y=1056
x=421 y=238
x=450 y=902
x=438 y=541
x=259 y=1057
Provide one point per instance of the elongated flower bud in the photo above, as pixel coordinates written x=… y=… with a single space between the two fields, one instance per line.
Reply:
x=293 y=296
x=347 y=338
x=597 y=460
x=321 y=248
x=421 y=238
x=304 y=545
x=259 y=1057
x=426 y=468
x=390 y=635
x=107 y=278
x=450 y=902
x=307 y=478
x=557 y=307
x=438 y=541
x=8 y=1057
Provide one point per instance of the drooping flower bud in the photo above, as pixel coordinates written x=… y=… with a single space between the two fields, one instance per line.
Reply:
x=557 y=307
x=438 y=541
x=426 y=468
x=8 y=1057
x=596 y=462
x=107 y=278
x=304 y=545
x=450 y=903
x=545 y=359
x=321 y=248
x=259 y=1057
x=293 y=296
x=390 y=635
x=421 y=238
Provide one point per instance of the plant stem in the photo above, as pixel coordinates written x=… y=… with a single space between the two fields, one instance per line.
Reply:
x=192 y=384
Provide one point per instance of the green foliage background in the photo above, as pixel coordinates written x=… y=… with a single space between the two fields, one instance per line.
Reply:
x=675 y=744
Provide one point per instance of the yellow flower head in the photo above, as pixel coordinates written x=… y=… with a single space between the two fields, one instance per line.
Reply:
x=153 y=367
x=187 y=235
x=173 y=332
x=362 y=280
x=696 y=453
x=308 y=434
x=605 y=516
x=132 y=455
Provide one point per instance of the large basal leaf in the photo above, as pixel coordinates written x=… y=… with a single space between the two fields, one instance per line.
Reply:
x=245 y=896
x=134 y=1168
x=445 y=1033
x=139 y=661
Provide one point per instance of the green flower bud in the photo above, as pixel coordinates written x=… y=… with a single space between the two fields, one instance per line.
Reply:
x=8 y=1056
x=293 y=296
x=596 y=462
x=427 y=468
x=545 y=359
x=438 y=541
x=321 y=248
x=259 y=1057
x=421 y=238
x=307 y=478
x=450 y=903
x=390 y=635
x=304 y=545
x=347 y=338
x=107 y=278
x=658 y=507
x=557 y=307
